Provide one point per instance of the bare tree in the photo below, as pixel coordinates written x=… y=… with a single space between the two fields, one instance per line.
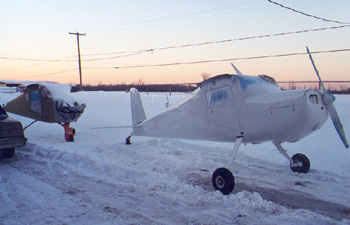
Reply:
x=139 y=82
x=205 y=76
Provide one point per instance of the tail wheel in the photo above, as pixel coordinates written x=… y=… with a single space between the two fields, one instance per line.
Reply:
x=223 y=181
x=305 y=163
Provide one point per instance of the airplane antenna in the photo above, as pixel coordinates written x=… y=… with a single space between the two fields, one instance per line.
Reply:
x=237 y=71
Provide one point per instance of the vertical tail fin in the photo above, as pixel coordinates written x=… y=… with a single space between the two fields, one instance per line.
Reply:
x=137 y=111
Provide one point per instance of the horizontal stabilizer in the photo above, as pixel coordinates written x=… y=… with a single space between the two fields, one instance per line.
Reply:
x=137 y=111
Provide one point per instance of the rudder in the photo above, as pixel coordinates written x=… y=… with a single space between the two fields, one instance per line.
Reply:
x=137 y=112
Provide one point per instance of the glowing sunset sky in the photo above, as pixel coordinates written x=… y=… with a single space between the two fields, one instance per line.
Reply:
x=35 y=43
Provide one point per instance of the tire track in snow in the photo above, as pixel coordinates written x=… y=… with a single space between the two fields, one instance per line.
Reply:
x=279 y=194
x=108 y=200
x=97 y=197
x=272 y=181
x=116 y=198
x=292 y=190
x=296 y=200
x=30 y=200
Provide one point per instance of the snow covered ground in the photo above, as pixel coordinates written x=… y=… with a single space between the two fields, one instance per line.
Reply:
x=99 y=180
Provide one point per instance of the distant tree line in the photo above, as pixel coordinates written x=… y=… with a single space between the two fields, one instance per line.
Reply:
x=140 y=87
x=347 y=92
x=335 y=89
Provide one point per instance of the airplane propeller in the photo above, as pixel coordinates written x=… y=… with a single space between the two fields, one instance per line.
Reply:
x=328 y=100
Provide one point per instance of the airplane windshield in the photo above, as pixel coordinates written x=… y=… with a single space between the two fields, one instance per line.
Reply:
x=268 y=79
x=251 y=85
x=45 y=93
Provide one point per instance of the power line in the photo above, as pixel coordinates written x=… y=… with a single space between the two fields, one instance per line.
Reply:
x=252 y=37
x=172 y=16
x=38 y=64
x=137 y=52
x=194 y=62
x=121 y=56
x=36 y=60
x=305 y=14
x=47 y=74
x=222 y=41
x=230 y=59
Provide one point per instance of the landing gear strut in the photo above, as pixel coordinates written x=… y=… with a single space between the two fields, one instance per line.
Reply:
x=69 y=132
x=298 y=163
x=222 y=179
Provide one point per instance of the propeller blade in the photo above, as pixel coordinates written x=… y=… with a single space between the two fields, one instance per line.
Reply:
x=337 y=124
x=313 y=64
x=328 y=100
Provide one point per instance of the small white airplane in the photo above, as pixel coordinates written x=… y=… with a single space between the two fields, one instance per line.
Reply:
x=242 y=109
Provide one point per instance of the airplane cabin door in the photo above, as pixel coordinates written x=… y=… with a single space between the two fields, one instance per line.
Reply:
x=222 y=110
x=35 y=101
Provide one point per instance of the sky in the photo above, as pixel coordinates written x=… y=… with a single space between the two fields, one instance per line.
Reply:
x=125 y=39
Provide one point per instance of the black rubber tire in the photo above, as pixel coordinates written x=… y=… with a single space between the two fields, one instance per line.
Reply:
x=8 y=152
x=70 y=139
x=223 y=181
x=305 y=163
x=128 y=141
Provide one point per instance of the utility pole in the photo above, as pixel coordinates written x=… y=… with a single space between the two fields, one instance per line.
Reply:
x=78 y=34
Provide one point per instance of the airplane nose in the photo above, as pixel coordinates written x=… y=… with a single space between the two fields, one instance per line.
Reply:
x=328 y=99
x=67 y=112
x=316 y=109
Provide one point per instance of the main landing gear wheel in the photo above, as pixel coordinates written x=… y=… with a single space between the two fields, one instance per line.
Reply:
x=223 y=181
x=305 y=163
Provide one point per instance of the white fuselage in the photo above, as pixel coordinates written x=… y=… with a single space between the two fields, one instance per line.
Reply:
x=228 y=106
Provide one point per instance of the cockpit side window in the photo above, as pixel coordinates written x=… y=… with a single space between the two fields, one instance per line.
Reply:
x=219 y=97
x=313 y=99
